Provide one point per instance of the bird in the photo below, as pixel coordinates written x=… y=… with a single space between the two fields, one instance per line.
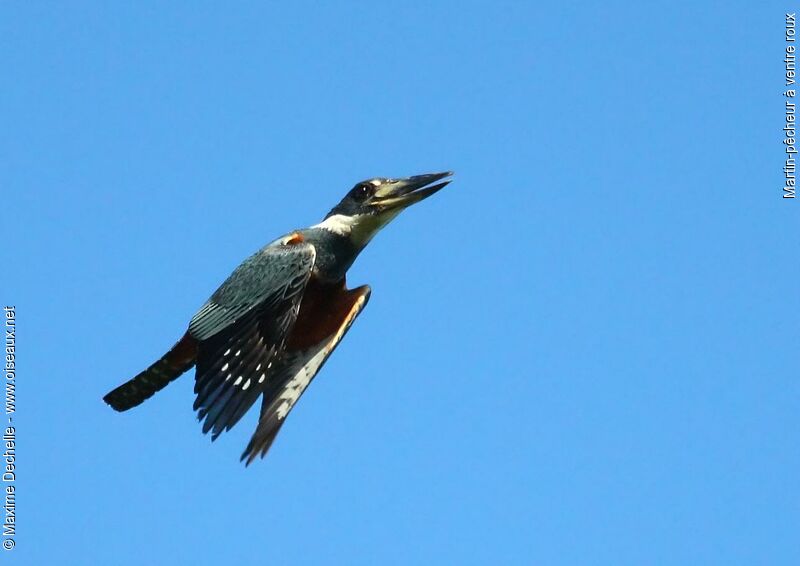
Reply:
x=272 y=324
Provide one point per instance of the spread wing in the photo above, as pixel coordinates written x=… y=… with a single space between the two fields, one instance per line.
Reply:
x=300 y=361
x=241 y=329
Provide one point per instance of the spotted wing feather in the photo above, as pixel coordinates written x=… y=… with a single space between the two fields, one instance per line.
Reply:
x=242 y=328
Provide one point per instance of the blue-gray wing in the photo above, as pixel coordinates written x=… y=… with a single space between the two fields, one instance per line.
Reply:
x=242 y=328
x=273 y=273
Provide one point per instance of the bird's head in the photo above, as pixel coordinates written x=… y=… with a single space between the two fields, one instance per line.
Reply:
x=373 y=203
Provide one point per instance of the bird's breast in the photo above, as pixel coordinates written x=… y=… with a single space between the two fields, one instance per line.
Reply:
x=323 y=308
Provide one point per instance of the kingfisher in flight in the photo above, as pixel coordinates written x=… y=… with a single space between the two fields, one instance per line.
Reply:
x=274 y=321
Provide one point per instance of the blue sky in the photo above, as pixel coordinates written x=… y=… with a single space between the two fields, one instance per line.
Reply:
x=583 y=351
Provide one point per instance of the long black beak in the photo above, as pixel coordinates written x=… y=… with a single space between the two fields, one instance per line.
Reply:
x=400 y=193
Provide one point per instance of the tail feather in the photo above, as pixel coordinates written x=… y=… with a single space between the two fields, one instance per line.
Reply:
x=172 y=365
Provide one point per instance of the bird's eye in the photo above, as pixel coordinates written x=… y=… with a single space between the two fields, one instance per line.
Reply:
x=363 y=191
